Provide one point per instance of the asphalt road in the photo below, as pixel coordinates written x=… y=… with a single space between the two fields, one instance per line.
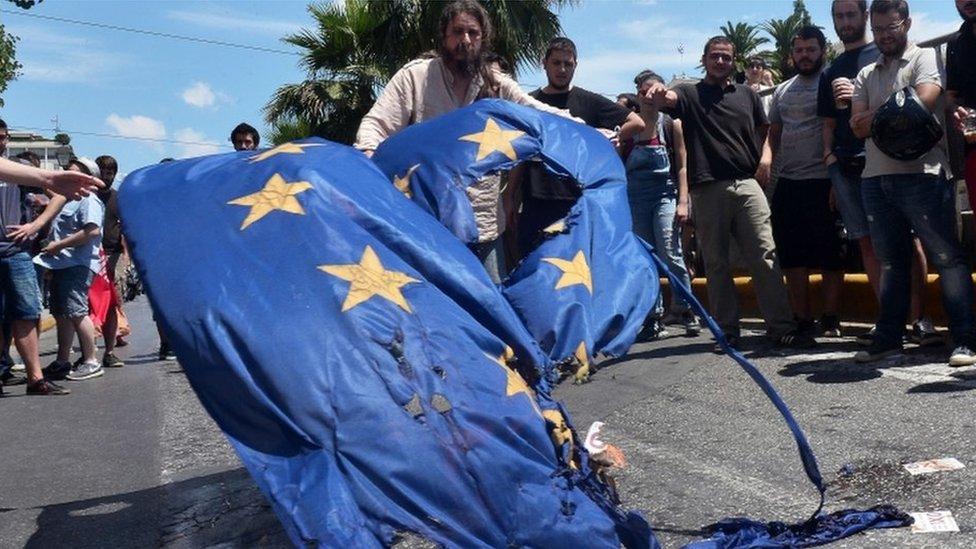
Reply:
x=131 y=459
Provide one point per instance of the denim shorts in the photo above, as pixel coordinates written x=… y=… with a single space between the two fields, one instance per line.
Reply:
x=21 y=296
x=847 y=192
x=69 y=291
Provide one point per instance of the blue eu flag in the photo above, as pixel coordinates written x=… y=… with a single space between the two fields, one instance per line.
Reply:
x=587 y=288
x=356 y=354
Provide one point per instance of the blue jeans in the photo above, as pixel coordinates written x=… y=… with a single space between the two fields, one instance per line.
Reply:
x=653 y=202
x=895 y=206
x=21 y=298
x=847 y=192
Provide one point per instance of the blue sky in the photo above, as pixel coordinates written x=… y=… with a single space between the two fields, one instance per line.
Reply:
x=189 y=95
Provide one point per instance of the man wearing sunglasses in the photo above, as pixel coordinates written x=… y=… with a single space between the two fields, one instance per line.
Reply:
x=902 y=196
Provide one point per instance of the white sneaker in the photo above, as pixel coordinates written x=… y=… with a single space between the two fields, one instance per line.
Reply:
x=962 y=356
x=18 y=367
x=86 y=370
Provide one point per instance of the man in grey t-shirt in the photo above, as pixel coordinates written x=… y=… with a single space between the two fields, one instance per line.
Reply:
x=804 y=227
x=901 y=196
x=18 y=281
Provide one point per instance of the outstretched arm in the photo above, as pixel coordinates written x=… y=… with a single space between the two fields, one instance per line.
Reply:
x=72 y=185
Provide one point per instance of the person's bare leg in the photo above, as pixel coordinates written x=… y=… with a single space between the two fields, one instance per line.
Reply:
x=66 y=337
x=86 y=336
x=920 y=273
x=798 y=287
x=110 y=329
x=872 y=267
x=25 y=339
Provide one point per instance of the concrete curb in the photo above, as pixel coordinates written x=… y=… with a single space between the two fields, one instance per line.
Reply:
x=858 y=302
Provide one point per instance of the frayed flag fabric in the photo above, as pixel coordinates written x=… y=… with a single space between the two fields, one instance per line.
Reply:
x=587 y=288
x=358 y=358
x=743 y=533
x=820 y=528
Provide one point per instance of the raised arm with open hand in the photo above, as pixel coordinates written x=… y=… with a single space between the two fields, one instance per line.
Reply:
x=72 y=185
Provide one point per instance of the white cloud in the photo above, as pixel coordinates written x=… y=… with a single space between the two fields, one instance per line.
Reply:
x=926 y=28
x=136 y=126
x=651 y=43
x=194 y=143
x=199 y=95
x=235 y=22
x=58 y=58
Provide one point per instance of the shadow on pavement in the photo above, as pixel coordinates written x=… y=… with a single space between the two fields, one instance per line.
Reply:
x=834 y=369
x=223 y=508
x=693 y=347
x=966 y=382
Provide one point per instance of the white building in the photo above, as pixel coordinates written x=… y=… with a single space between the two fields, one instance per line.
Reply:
x=53 y=154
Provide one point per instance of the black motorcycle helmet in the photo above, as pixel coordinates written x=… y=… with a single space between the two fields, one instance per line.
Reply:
x=903 y=128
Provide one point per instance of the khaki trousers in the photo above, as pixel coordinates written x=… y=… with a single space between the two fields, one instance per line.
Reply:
x=726 y=210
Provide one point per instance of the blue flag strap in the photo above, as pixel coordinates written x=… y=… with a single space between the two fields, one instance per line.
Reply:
x=806 y=453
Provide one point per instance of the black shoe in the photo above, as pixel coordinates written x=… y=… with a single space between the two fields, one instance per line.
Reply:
x=806 y=326
x=57 y=371
x=877 y=351
x=795 y=340
x=46 y=388
x=867 y=338
x=652 y=330
x=924 y=334
x=10 y=379
x=692 y=327
x=732 y=340
x=165 y=353
x=830 y=326
x=112 y=361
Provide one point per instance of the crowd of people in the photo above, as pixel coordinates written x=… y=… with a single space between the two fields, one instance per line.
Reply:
x=706 y=155
x=63 y=249
x=700 y=155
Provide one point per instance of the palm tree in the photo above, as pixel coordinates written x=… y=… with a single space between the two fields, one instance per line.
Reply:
x=345 y=65
x=746 y=41
x=357 y=45
x=782 y=31
x=284 y=130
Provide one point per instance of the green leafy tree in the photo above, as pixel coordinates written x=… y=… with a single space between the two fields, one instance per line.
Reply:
x=800 y=9
x=284 y=130
x=26 y=4
x=357 y=45
x=782 y=32
x=9 y=67
x=746 y=39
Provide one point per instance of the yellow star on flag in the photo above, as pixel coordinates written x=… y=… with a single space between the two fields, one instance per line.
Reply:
x=514 y=383
x=369 y=278
x=556 y=227
x=493 y=139
x=559 y=432
x=277 y=194
x=574 y=272
x=403 y=183
x=581 y=374
x=284 y=148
